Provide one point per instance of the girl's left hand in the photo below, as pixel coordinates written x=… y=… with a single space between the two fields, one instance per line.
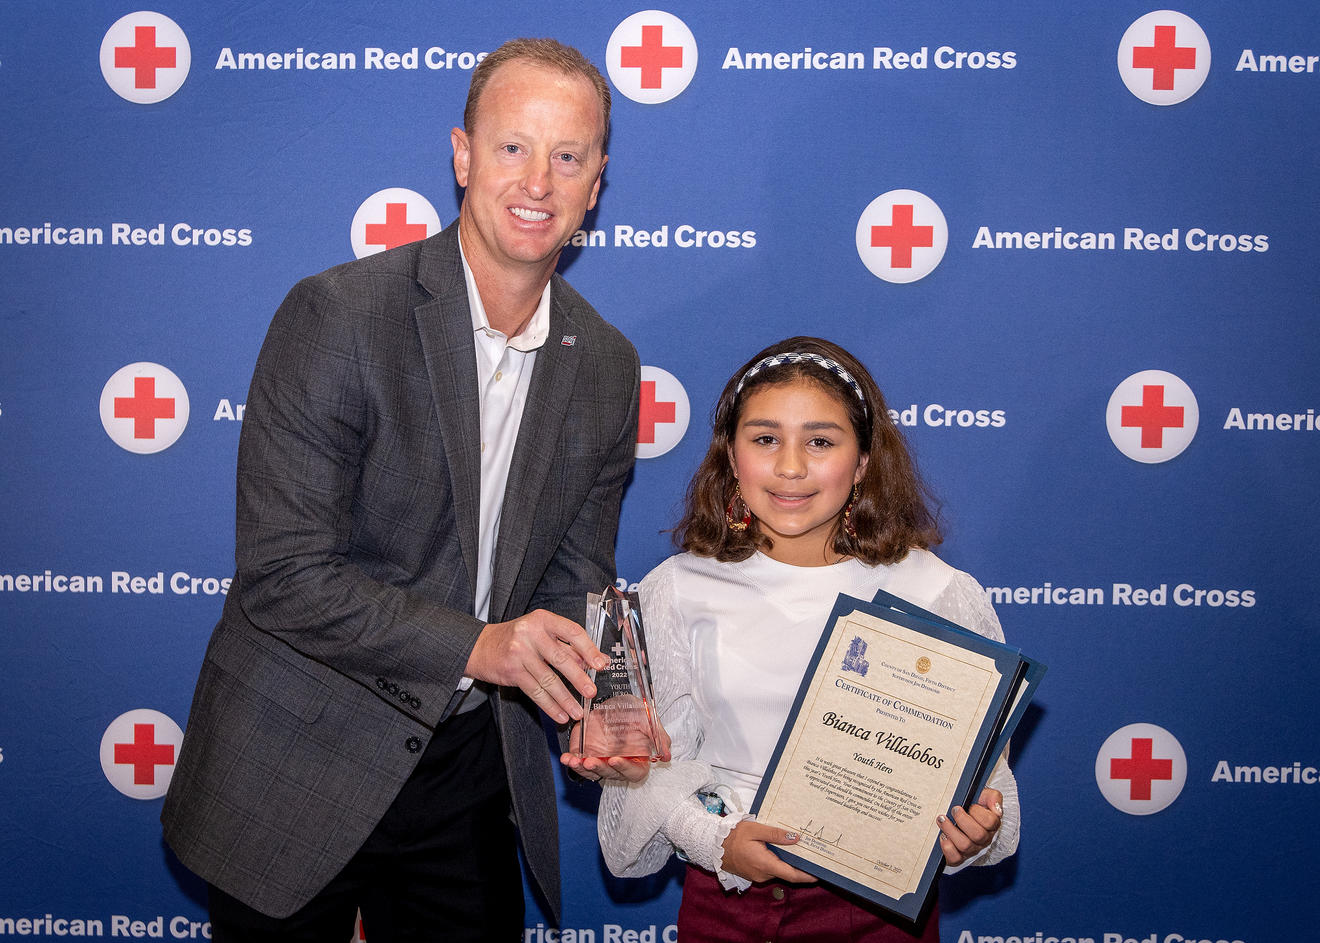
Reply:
x=964 y=833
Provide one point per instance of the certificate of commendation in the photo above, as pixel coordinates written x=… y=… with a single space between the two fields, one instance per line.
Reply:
x=893 y=725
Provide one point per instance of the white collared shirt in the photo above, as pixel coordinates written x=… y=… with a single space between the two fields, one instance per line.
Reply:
x=504 y=375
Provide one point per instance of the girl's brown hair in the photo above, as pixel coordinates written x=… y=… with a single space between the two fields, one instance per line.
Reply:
x=891 y=514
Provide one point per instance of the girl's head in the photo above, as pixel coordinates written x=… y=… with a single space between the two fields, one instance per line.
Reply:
x=795 y=429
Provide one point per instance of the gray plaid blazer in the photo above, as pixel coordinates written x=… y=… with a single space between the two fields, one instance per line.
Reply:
x=348 y=624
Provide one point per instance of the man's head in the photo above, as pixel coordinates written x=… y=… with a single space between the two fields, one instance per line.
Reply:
x=529 y=157
x=546 y=52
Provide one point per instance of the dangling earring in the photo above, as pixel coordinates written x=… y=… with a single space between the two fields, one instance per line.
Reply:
x=735 y=524
x=849 y=527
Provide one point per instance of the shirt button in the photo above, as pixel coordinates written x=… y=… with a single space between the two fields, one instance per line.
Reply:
x=778 y=893
x=499 y=375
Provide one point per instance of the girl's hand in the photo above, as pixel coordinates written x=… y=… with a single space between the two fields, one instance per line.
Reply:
x=746 y=854
x=964 y=833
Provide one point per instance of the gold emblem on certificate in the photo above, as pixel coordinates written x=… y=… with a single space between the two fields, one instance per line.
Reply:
x=620 y=719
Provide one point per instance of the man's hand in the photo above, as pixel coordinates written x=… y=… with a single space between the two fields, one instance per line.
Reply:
x=537 y=653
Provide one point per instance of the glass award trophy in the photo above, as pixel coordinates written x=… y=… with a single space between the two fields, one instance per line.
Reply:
x=620 y=719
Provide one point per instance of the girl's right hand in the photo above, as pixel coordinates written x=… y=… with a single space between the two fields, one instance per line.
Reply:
x=746 y=854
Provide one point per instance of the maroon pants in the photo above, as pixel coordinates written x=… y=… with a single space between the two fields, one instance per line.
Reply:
x=786 y=913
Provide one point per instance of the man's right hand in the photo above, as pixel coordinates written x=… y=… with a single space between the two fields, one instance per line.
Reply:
x=537 y=653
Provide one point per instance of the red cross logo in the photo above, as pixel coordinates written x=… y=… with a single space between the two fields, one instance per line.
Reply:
x=662 y=413
x=652 y=56
x=144 y=408
x=408 y=216
x=1164 y=58
x=396 y=230
x=1141 y=769
x=1152 y=417
x=144 y=57
x=652 y=412
x=144 y=754
x=901 y=237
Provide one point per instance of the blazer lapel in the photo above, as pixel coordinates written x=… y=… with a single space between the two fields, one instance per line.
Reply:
x=444 y=325
x=553 y=379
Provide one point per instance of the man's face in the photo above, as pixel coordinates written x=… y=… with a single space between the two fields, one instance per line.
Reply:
x=531 y=167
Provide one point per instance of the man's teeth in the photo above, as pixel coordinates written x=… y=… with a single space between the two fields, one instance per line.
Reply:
x=531 y=216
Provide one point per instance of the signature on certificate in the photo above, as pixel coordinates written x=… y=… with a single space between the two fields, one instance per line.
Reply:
x=818 y=832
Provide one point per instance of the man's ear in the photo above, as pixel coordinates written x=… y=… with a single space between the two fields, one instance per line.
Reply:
x=462 y=155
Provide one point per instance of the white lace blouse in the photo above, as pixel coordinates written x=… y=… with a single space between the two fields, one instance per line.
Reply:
x=729 y=643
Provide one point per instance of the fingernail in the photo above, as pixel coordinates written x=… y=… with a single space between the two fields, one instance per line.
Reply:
x=790 y=836
x=999 y=809
x=941 y=819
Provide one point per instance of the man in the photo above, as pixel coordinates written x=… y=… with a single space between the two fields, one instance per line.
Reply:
x=432 y=459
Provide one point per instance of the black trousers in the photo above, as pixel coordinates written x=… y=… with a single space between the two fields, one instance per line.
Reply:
x=441 y=865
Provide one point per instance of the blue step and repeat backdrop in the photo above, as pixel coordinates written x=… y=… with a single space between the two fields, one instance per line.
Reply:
x=1076 y=243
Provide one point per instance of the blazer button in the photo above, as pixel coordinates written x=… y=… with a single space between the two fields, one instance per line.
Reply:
x=416 y=703
x=414 y=744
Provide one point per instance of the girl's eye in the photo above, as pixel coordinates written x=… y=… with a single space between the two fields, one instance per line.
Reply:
x=821 y=442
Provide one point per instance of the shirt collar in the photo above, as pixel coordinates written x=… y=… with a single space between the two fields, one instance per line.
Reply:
x=533 y=335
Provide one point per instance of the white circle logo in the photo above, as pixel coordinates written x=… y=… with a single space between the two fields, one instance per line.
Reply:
x=138 y=751
x=392 y=217
x=901 y=236
x=662 y=418
x=144 y=408
x=1152 y=416
x=1164 y=58
x=1141 y=769
x=651 y=56
x=145 y=57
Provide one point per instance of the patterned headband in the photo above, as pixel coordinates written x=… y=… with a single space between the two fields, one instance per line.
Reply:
x=776 y=360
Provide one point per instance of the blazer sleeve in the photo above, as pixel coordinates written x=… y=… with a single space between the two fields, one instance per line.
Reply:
x=319 y=564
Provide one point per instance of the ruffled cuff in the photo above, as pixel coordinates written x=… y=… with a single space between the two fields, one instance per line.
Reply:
x=700 y=835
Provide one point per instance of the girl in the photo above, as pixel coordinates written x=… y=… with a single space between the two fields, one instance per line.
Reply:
x=807 y=491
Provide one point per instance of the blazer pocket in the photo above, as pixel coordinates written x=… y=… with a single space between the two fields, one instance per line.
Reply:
x=268 y=675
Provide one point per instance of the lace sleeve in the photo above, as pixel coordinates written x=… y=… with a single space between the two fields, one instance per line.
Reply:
x=641 y=824
x=965 y=602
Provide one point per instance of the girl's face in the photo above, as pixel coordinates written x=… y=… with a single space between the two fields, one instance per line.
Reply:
x=796 y=458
